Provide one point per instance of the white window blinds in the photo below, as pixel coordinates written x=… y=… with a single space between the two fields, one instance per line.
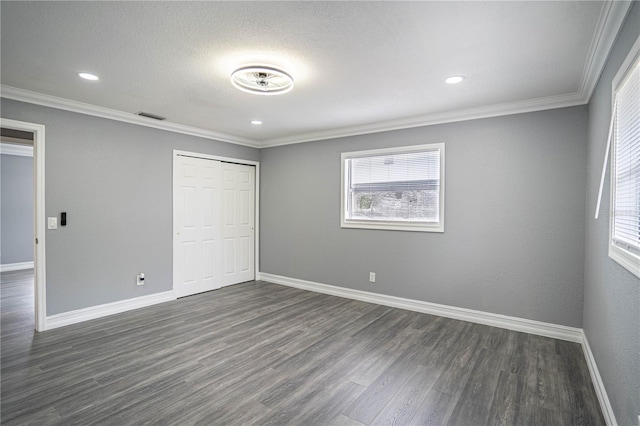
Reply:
x=410 y=181
x=625 y=221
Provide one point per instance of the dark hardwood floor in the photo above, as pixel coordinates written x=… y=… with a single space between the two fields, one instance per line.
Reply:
x=259 y=353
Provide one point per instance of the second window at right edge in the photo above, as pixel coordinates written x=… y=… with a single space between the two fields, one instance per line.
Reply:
x=395 y=188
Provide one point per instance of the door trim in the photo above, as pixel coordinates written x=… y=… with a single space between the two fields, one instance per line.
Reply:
x=39 y=229
x=256 y=234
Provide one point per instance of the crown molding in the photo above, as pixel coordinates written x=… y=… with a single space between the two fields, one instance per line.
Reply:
x=112 y=114
x=510 y=108
x=13 y=149
x=611 y=19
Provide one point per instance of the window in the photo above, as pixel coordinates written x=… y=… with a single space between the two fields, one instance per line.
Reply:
x=395 y=188
x=624 y=244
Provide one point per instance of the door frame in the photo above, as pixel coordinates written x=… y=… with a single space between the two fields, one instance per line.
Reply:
x=39 y=219
x=256 y=235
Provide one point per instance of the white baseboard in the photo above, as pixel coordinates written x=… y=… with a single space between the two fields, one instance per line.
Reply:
x=598 y=385
x=496 y=320
x=93 y=312
x=511 y=323
x=16 y=266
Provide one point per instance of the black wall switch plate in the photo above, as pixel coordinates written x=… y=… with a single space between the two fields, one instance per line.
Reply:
x=63 y=219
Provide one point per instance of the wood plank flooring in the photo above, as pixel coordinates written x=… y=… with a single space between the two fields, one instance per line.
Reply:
x=264 y=354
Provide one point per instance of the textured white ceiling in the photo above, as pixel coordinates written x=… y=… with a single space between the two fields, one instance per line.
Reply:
x=358 y=66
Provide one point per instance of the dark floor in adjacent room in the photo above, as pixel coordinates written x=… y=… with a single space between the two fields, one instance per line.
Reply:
x=260 y=353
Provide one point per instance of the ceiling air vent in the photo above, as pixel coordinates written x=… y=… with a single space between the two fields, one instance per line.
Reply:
x=153 y=116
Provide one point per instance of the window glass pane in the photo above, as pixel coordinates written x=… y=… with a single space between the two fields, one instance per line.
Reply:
x=403 y=187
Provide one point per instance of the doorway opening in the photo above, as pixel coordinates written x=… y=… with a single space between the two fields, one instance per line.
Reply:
x=18 y=138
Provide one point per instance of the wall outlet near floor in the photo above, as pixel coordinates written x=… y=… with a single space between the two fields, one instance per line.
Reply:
x=372 y=277
x=140 y=279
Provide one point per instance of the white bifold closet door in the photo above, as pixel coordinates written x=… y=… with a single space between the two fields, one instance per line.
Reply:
x=214 y=223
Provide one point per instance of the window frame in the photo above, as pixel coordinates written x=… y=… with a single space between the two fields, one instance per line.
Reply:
x=385 y=224
x=621 y=255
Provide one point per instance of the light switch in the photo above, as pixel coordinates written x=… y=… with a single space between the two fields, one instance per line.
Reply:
x=52 y=223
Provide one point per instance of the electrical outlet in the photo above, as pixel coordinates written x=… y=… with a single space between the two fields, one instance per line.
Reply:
x=372 y=277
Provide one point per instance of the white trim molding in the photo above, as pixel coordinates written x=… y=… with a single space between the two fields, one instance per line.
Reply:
x=496 y=320
x=530 y=105
x=16 y=266
x=14 y=149
x=112 y=114
x=610 y=21
x=524 y=325
x=39 y=227
x=93 y=312
x=598 y=385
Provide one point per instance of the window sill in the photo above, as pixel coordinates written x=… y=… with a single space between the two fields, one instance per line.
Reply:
x=627 y=260
x=393 y=226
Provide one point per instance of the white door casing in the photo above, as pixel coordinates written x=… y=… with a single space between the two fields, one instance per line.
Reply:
x=213 y=222
x=40 y=275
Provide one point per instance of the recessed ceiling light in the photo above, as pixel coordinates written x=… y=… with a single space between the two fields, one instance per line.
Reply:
x=256 y=122
x=88 y=76
x=454 y=80
x=261 y=80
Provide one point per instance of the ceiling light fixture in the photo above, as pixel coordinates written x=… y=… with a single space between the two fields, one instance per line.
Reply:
x=261 y=80
x=256 y=122
x=88 y=76
x=454 y=80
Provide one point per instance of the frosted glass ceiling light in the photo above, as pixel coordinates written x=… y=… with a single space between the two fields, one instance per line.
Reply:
x=261 y=80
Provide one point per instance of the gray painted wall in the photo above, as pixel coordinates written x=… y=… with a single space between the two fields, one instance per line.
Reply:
x=114 y=180
x=16 y=226
x=514 y=218
x=514 y=240
x=612 y=294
